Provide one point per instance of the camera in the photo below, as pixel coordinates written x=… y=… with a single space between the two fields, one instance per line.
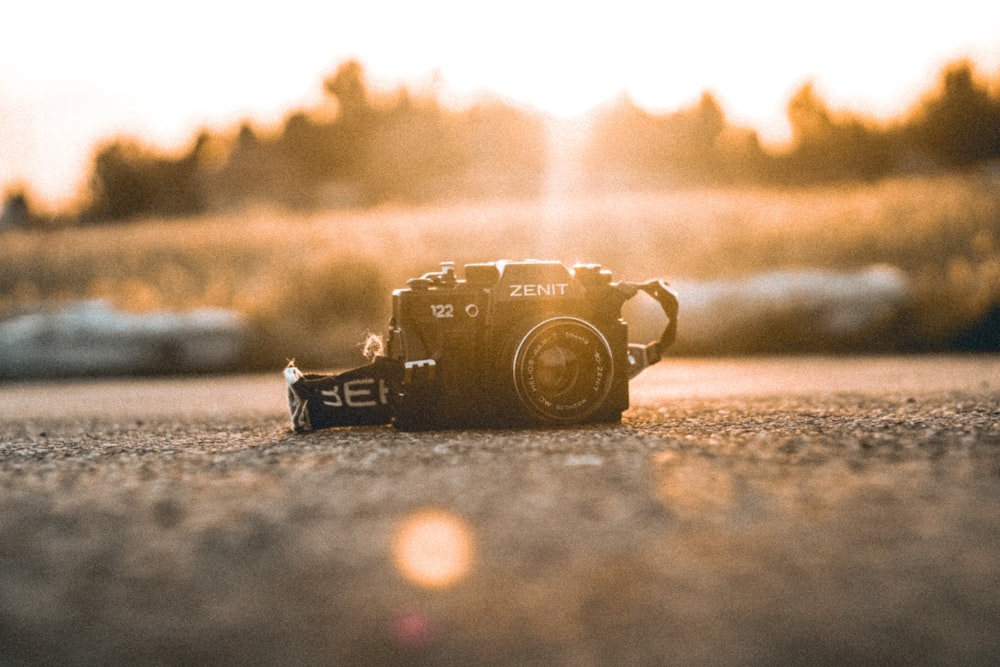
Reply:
x=510 y=344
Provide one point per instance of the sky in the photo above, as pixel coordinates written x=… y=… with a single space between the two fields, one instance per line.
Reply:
x=74 y=73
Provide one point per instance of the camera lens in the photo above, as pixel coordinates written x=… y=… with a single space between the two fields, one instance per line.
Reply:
x=563 y=369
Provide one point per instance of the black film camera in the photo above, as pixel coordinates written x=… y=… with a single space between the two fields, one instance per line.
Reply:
x=512 y=344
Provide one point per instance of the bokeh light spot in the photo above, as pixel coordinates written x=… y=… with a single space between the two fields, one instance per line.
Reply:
x=433 y=549
x=412 y=629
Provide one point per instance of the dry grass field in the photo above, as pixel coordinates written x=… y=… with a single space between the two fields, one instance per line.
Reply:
x=311 y=284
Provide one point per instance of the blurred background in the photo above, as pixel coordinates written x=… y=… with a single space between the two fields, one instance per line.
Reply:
x=225 y=187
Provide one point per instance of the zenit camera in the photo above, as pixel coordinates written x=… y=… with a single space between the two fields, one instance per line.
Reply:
x=510 y=344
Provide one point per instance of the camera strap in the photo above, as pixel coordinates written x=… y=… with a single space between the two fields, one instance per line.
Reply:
x=640 y=356
x=363 y=396
x=358 y=397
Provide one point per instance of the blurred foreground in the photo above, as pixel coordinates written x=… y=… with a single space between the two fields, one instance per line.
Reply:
x=901 y=266
x=775 y=511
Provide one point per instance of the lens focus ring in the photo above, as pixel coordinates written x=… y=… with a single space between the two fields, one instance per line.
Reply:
x=563 y=369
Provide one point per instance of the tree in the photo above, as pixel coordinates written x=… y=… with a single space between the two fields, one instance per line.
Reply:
x=17 y=210
x=678 y=147
x=809 y=117
x=828 y=146
x=120 y=183
x=961 y=124
x=347 y=85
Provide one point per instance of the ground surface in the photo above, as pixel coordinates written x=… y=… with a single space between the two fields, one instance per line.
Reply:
x=808 y=511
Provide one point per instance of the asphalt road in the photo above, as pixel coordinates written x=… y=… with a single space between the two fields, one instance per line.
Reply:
x=774 y=511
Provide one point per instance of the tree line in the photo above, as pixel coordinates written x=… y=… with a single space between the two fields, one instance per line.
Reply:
x=359 y=148
x=954 y=127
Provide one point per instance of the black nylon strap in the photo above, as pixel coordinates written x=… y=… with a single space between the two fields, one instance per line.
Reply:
x=641 y=356
x=665 y=296
x=359 y=397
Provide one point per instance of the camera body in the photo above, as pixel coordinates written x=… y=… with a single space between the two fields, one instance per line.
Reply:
x=512 y=344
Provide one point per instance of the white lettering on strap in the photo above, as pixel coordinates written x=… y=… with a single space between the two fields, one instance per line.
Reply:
x=359 y=393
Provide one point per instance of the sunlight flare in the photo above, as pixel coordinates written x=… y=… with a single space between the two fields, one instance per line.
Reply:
x=433 y=549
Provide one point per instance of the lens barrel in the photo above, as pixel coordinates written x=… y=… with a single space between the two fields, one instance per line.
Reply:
x=563 y=370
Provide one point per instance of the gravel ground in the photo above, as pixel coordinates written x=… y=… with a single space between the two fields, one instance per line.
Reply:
x=776 y=511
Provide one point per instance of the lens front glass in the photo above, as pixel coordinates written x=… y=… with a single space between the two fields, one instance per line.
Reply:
x=563 y=369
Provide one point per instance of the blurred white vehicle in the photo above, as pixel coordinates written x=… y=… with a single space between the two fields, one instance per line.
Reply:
x=94 y=338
